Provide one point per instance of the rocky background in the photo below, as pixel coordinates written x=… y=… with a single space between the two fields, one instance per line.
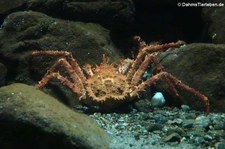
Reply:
x=94 y=27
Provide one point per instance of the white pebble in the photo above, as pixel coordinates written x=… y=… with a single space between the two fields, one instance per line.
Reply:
x=158 y=99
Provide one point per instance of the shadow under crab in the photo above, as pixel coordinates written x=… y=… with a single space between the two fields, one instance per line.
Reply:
x=109 y=86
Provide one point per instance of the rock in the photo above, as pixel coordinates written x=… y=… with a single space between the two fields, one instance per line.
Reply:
x=174 y=137
x=201 y=66
x=208 y=138
x=151 y=127
x=31 y=119
x=220 y=145
x=201 y=122
x=175 y=122
x=188 y=123
x=217 y=121
x=214 y=23
x=158 y=100
x=7 y=7
x=113 y=14
x=199 y=141
x=143 y=105
x=3 y=72
x=185 y=108
x=160 y=118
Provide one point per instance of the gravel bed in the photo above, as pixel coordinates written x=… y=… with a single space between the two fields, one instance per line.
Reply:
x=164 y=128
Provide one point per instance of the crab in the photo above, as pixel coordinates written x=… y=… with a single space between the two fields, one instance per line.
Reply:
x=108 y=85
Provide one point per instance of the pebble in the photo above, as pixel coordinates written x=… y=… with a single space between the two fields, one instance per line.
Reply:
x=220 y=145
x=154 y=127
x=175 y=122
x=188 y=123
x=201 y=121
x=158 y=100
x=163 y=128
x=199 y=140
x=174 y=137
x=185 y=108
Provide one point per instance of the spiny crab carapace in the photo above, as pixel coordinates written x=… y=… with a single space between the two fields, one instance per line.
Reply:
x=108 y=85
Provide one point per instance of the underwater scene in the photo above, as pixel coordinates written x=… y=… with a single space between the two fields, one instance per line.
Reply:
x=112 y=74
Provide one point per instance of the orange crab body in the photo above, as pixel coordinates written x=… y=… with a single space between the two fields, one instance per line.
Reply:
x=106 y=82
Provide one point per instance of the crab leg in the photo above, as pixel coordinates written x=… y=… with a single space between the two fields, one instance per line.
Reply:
x=76 y=68
x=66 y=54
x=175 y=81
x=139 y=73
x=63 y=80
x=151 y=49
x=160 y=68
x=51 y=52
x=74 y=76
x=135 y=65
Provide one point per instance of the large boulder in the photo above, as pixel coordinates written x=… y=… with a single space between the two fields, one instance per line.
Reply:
x=23 y=32
x=201 y=66
x=115 y=14
x=31 y=119
x=7 y=7
x=214 y=22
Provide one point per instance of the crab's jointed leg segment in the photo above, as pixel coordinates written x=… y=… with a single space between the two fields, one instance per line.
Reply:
x=68 y=56
x=63 y=80
x=141 y=70
x=152 y=49
x=160 y=68
x=70 y=66
x=139 y=73
x=76 y=68
x=175 y=81
x=50 y=52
